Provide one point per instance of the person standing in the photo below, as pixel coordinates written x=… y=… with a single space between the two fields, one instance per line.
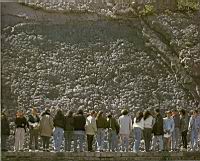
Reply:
x=194 y=128
x=91 y=129
x=183 y=128
x=147 y=133
x=69 y=130
x=33 y=121
x=58 y=132
x=21 y=125
x=113 y=130
x=168 y=129
x=158 y=131
x=46 y=129
x=138 y=127
x=5 y=131
x=176 y=132
x=79 y=130
x=125 y=124
x=102 y=124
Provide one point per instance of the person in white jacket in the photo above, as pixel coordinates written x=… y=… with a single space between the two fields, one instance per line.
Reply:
x=91 y=129
x=138 y=127
x=125 y=124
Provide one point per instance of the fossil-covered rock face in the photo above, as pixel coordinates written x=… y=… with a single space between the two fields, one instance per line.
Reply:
x=85 y=60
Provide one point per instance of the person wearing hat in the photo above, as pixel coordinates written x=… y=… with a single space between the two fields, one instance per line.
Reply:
x=21 y=124
x=168 y=130
x=125 y=124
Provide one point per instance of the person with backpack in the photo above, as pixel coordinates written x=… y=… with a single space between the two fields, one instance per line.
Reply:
x=33 y=121
x=46 y=128
x=102 y=124
x=158 y=131
x=79 y=130
x=138 y=127
x=58 y=132
x=91 y=129
x=113 y=131
x=69 y=130
x=5 y=131
x=21 y=125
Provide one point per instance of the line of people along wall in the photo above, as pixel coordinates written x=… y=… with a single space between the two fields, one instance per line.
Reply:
x=97 y=131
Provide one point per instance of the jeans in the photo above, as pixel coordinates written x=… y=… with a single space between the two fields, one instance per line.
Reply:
x=58 y=138
x=45 y=142
x=79 y=136
x=184 y=138
x=194 y=139
x=68 y=140
x=137 y=136
x=125 y=142
x=34 y=138
x=175 y=138
x=19 y=138
x=147 y=133
x=158 y=138
x=112 y=140
x=100 y=138
x=90 y=141
x=4 y=139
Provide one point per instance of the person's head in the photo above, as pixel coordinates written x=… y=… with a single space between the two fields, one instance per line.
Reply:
x=93 y=113
x=20 y=113
x=109 y=115
x=195 y=112
x=34 y=111
x=70 y=113
x=168 y=114
x=80 y=111
x=182 y=112
x=157 y=110
x=146 y=114
x=174 y=112
x=124 y=112
x=99 y=114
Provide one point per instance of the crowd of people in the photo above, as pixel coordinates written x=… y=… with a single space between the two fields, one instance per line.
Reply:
x=98 y=131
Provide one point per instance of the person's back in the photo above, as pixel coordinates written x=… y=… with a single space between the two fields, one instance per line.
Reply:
x=125 y=124
x=46 y=125
x=69 y=123
x=59 y=120
x=158 y=125
x=79 y=122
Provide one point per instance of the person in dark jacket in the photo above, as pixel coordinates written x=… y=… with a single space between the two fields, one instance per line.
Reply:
x=21 y=125
x=5 y=131
x=69 y=130
x=79 y=130
x=102 y=124
x=33 y=121
x=58 y=132
x=158 y=130
x=113 y=131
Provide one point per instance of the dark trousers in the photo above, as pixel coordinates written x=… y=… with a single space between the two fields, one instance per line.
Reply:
x=147 y=133
x=184 y=138
x=90 y=141
x=45 y=141
x=34 y=133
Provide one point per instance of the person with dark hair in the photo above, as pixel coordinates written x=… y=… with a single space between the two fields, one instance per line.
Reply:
x=69 y=130
x=101 y=126
x=79 y=130
x=138 y=126
x=147 y=132
x=176 y=132
x=33 y=120
x=125 y=124
x=194 y=129
x=91 y=129
x=113 y=130
x=168 y=130
x=21 y=126
x=183 y=128
x=46 y=129
x=59 y=123
x=158 y=131
x=5 y=131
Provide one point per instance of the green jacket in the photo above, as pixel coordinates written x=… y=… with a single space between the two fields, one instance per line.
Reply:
x=102 y=122
x=112 y=124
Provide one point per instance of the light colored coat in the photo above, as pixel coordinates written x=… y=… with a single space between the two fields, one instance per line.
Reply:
x=125 y=124
x=46 y=126
x=91 y=126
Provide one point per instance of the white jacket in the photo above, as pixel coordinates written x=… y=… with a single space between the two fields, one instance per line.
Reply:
x=90 y=126
x=125 y=124
x=139 y=124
